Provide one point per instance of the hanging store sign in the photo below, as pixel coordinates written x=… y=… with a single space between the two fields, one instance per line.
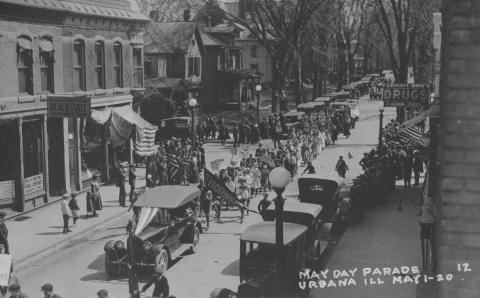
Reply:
x=399 y=95
x=33 y=184
x=69 y=106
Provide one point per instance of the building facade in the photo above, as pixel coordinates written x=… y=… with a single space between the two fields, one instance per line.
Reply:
x=255 y=57
x=62 y=48
x=458 y=192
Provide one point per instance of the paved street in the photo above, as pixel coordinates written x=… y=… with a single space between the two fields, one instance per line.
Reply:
x=77 y=270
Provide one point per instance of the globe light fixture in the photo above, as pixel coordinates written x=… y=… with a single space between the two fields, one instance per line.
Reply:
x=192 y=102
x=279 y=178
x=258 y=88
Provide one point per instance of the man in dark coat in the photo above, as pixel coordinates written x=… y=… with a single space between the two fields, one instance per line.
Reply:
x=263 y=205
x=407 y=169
x=132 y=177
x=4 y=232
x=121 y=186
x=417 y=167
x=341 y=167
x=161 y=289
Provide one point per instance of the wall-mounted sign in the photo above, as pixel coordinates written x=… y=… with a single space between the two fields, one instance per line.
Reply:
x=397 y=95
x=68 y=106
x=33 y=184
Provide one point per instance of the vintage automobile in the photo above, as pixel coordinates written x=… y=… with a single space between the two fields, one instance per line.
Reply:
x=174 y=127
x=311 y=107
x=340 y=96
x=165 y=225
x=257 y=259
x=306 y=214
x=342 y=114
x=325 y=191
x=294 y=119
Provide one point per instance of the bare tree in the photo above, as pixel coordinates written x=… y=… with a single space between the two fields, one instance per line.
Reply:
x=170 y=10
x=279 y=26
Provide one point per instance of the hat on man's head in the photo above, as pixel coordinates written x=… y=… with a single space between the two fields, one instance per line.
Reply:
x=14 y=287
x=102 y=293
x=47 y=287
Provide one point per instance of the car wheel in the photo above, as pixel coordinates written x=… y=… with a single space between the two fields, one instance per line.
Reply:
x=110 y=267
x=163 y=259
x=195 y=240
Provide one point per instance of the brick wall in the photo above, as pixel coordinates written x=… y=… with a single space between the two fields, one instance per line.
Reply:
x=459 y=158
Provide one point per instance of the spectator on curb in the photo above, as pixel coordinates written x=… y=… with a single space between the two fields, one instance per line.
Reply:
x=66 y=213
x=47 y=290
x=15 y=292
x=102 y=293
x=73 y=205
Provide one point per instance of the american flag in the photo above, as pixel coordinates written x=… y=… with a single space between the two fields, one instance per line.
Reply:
x=173 y=165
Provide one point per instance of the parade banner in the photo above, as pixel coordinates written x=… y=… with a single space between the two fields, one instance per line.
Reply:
x=220 y=190
x=5 y=266
x=399 y=95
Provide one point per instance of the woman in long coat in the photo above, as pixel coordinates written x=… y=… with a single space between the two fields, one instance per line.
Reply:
x=95 y=191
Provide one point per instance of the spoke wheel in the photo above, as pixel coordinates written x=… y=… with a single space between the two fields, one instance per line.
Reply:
x=163 y=259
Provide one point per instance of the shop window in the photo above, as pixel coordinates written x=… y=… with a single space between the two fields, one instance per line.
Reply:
x=99 y=65
x=24 y=65
x=47 y=60
x=79 y=66
x=254 y=66
x=117 y=65
x=32 y=148
x=92 y=149
x=193 y=66
x=137 y=68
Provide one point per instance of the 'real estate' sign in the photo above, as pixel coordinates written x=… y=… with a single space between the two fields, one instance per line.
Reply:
x=33 y=184
x=398 y=95
x=68 y=106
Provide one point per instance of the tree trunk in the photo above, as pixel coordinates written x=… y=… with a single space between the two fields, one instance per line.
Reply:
x=316 y=84
x=298 y=81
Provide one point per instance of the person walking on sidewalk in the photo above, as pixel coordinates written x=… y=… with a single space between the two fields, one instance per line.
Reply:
x=122 y=194
x=417 y=167
x=132 y=177
x=73 y=205
x=47 y=290
x=263 y=205
x=162 y=288
x=15 y=292
x=407 y=168
x=341 y=167
x=97 y=198
x=4 y=232
x=66 y=212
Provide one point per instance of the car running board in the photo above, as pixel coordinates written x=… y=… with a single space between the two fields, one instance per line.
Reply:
x=179 y=250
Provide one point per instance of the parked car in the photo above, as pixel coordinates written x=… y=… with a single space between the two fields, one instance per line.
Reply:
x=325 y=191
x=312 y=107
x=308 y=215
x=257 y=259
x=174 y=127
x=165 y=225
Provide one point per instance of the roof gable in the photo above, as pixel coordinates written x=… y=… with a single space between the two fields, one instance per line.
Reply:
x=169 y=38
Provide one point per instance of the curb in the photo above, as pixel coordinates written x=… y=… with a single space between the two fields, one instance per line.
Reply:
x=59 y=244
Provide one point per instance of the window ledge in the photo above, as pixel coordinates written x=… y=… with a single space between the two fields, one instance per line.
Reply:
x=100 y=92
x=119 y=90
x=26 y=98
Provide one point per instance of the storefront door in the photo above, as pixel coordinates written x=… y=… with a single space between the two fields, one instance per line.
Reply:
x=56 y=156
x=72 y=154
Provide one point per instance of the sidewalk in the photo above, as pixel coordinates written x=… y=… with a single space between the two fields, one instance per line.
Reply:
x=38 y=231
x=385 y=238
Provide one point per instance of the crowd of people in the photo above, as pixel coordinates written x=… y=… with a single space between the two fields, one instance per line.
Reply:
x=395 y=159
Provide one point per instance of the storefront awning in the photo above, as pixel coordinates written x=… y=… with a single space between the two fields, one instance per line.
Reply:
x=416 y=136
x=24 y=43
x=123 y=121
x=46 y=45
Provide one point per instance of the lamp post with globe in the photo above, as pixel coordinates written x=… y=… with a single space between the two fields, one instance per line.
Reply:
x=258 y=89
x=192 y=104
x=279 y=179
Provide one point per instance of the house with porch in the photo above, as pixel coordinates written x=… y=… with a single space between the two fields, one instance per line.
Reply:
x=173 y=65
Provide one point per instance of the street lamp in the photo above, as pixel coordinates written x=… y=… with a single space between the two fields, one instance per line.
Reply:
x=279 y=179
x=192 y=103
x=258 y=88
x=380 y=128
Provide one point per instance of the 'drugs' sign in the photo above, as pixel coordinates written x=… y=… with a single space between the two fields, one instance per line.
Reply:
x=397 y=95
x=68 y=106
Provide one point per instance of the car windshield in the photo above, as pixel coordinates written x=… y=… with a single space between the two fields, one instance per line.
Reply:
x=259 y=253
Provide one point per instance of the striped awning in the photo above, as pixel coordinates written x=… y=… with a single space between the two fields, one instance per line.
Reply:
x=413 y=135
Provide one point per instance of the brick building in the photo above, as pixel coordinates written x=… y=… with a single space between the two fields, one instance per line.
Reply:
x=56 y=47
x=459 y=162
